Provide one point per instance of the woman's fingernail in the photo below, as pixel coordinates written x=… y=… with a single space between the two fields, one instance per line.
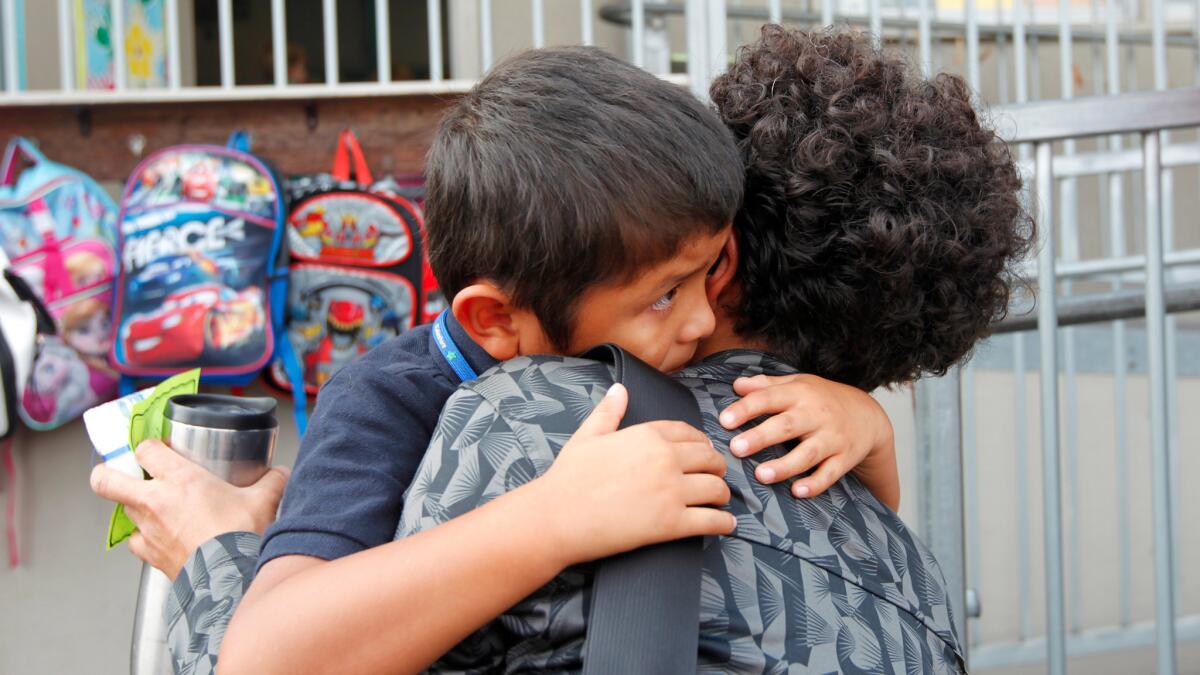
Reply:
x=800 y=490
x=734 y=519
x=766 y=474
x=726 y=419
x=739 y=446
x=612 y=390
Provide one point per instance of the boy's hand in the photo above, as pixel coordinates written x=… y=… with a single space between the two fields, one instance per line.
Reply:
x=185 y=505
x=840 y=429
x=611 y=491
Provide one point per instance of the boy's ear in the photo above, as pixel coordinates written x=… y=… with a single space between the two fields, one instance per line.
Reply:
x=723 y=272
x=486 y=313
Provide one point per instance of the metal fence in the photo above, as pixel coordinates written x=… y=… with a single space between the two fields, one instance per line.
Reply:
x=1108 y=240
x=940 y=419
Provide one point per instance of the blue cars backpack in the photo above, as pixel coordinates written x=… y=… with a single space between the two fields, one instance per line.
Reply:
x=203 y=274
x=58 y=228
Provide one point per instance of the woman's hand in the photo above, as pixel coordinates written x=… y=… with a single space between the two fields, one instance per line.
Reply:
x=840 y=429
x=185 y=505
x=611 y=491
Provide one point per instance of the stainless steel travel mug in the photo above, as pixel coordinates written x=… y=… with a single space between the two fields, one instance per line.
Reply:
x=231 y=436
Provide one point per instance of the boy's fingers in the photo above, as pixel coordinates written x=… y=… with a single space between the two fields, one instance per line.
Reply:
x=116 y=486
x=802 y=458
x=606 y=416
x=157 y=458
x=703 y=520
x=766 y=401
x=825 y=476
x=745 y=385
x=700 y=457
x=774 y=430
x=674 y=431
x=703 y=488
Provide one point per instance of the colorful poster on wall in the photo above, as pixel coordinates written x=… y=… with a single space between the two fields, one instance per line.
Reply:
x=144 y=44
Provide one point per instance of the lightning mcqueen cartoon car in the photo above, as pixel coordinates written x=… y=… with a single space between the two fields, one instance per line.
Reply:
x=210 y=316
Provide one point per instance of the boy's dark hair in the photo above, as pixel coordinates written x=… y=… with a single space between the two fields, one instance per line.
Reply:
x=565 y=168
x=880 y=218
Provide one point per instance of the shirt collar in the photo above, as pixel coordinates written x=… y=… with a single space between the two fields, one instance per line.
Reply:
x=476 y=356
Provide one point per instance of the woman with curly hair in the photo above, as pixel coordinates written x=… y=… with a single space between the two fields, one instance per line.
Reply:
x=879 y=223
x=880 y=216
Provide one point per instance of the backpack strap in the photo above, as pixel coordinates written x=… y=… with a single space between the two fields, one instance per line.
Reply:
x=295 y=375
x=8 y=166
x=239 y=140
x=349 y=150
x=645 y=605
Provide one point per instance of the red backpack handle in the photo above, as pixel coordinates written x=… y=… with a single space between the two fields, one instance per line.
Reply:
x=348 y=149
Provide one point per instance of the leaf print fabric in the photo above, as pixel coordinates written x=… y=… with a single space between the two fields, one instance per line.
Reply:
x=835 y=583
x=204 y=597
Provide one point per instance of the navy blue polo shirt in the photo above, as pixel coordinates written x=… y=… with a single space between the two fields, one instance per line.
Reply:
x=366 y=438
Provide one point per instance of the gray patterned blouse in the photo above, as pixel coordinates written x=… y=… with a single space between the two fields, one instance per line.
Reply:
x=835 y=583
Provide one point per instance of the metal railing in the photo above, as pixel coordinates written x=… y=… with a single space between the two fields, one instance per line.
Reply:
x=940 y=421
x=938 y=40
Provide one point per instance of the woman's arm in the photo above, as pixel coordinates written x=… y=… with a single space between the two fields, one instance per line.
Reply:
x=397 y=607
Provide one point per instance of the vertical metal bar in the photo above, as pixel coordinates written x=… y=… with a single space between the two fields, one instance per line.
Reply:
x=638 y=8
x=174 y=72
x=775 y=11
x=1071 y=440
x=433 y=12
x=1020 y=66
x=828 y=11
x=696 y=15
x=485 y=34
x=1051 y=478
x=225 y=35
x=1167 y=187
x=279 y=42
x=383 y=41
x=1024 y=573
x=66 y=40
x=116 y=39
x=539 y=23
x=1156 y=338
x=717 y=54
x=970 y=454
x=1158 y=44
x=1035 y=68
x=1001 y=57
x=12 y=71
x=940 y=458
x=924 y=38
x=330 y=32
x=972 y=20
x=1069 y=227
x=1116 y=225
x=875 y=16
x=586 y=18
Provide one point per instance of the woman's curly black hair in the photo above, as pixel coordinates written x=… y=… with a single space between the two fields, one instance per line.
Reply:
x=880 y=217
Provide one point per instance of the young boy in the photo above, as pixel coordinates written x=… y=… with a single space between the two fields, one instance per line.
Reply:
x=573 y=199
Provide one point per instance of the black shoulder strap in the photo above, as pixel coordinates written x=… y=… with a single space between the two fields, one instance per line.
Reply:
x=645 y=605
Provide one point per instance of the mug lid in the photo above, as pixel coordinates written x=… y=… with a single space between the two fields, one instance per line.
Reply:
x=222 y=411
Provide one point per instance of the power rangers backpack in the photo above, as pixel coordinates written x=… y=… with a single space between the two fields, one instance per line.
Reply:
x=203 y=273
x=358 y=270
x=57 y=226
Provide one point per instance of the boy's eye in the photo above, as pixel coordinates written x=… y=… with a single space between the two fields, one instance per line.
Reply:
x=665 y=301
